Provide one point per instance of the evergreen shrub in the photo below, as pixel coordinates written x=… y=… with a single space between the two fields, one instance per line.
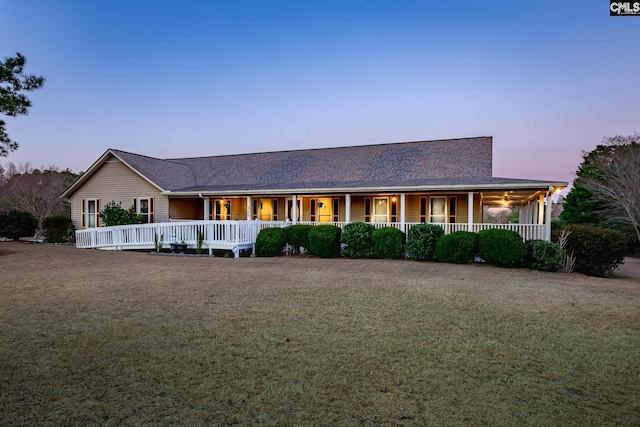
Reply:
x=270 y=242
x=501 y=247
x=422 y=239
x=298 y=236
x=598 y=251
x=114 y=214
x=324 y=241
x=57 y=228
x=15 y=224
x=388 y=242
x=459 y=247
x=357 y=238
x=544 y=256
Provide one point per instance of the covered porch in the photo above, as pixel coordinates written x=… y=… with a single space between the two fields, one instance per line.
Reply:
x=452 y=209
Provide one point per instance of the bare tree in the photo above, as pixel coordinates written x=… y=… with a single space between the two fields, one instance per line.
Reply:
x=614 y=181
x=34 y=191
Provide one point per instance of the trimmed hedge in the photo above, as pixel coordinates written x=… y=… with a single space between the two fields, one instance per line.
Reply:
x=459 y=247
x=15 y=224
x=598 y=251
x=501 y=247
x=388 y=242
x=324 y=241
x=270 y=242
x=421 y=241
x=57 y=228
x=544 y=256
x=357 y=237
x=298 y=236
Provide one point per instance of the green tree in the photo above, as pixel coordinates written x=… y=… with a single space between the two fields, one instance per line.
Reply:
x=13 y=102
x=607 y=184
x=15 y=224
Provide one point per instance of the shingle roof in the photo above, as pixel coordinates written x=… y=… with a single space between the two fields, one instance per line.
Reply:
x=383 y=165
x=419 y=165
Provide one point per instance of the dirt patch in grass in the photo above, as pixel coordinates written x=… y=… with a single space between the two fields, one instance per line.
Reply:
x=121 y=338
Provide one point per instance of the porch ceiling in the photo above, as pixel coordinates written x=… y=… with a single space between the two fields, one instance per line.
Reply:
x=510 y=197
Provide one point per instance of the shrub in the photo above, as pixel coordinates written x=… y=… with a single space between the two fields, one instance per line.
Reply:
x=544 y=256
x=557 y=224
x=15 y=224
x=501 y=247
x=57 y=228
x=459 y=247
x=298 y=236
x=422 y=239
x=598 y=251
x=270 y=242
x=388 y=242
x=357 y=237
x=324 y=241
x=114 y=214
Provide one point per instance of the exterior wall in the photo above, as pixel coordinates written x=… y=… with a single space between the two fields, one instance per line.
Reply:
x=183 y=209
x=239 y=209
x=115 y=181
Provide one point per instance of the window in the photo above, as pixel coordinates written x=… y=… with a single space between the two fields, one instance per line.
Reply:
x=143 y=206
x=452 y=209
x=380 y=209
x=254 y=213
x=90 y=213
x=290 y=208
x=394 y=209
x=367 y=209
x=312 y=210
x=438 y=207
x=219 y=209
x=275 y=209
x=423 y=209
x=336 y=210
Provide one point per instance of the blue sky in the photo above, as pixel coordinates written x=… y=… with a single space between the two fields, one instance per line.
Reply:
x=546 y=79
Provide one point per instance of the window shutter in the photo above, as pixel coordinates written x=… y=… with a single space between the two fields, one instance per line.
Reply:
x=151 y=209
x=83 y=210
x=134 y=203
x=367 y=209
x=97 y=212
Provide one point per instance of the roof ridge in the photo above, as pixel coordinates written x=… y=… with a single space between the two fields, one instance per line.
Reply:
x=147 y=157
x=327 y=148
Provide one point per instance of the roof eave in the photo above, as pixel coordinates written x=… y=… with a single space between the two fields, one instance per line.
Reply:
x=97 y=165
x=398 y=189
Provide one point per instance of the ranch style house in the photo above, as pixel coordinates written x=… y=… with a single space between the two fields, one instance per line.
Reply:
x=445 y=182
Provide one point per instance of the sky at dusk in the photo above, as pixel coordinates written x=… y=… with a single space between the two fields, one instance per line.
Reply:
x=546 y=79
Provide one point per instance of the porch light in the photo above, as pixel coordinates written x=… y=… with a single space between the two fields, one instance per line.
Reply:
x=393 y=198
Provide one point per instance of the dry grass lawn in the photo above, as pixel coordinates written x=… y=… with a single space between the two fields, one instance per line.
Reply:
x=90 y=337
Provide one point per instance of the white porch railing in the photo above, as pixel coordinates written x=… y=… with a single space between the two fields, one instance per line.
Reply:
x=215 y=235
x=239 y=234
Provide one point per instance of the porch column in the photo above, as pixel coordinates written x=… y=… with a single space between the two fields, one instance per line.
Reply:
x=249 y=206
x=294 y=208
x=470 y=210
x=206 y=208
x=402 y=211
x=547 y=223
x=541 y=209
x=347 y=208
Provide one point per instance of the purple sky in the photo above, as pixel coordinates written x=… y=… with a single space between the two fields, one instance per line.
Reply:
x=546 y=79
